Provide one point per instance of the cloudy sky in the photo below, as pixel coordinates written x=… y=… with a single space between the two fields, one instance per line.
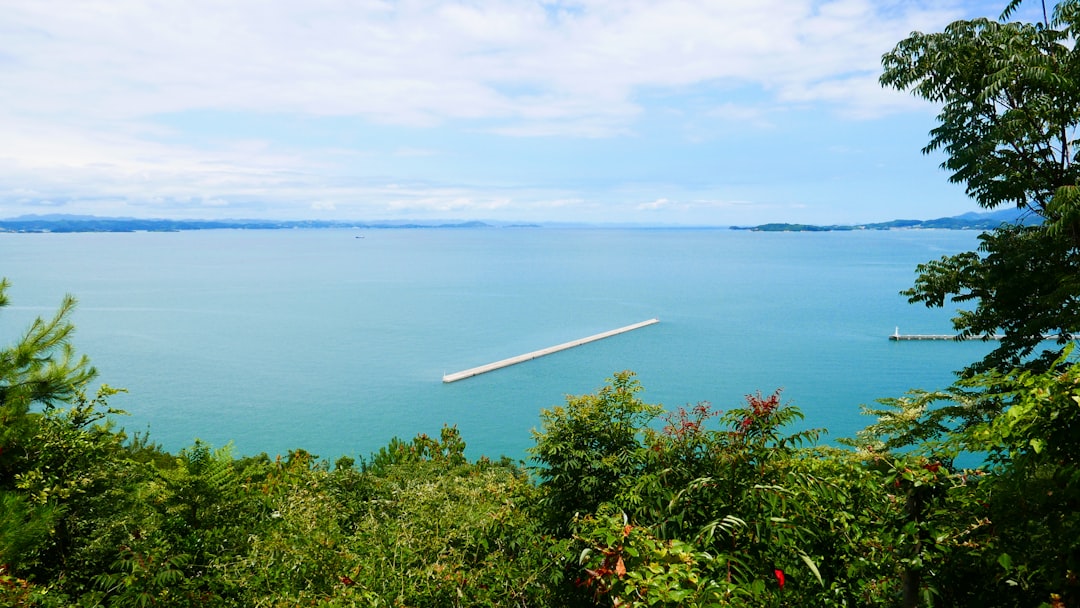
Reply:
x=649 y=111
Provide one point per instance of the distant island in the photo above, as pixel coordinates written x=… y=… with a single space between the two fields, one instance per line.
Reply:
x=967 y=221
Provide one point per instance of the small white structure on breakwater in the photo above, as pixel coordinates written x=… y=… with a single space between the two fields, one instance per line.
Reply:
x=483 y=369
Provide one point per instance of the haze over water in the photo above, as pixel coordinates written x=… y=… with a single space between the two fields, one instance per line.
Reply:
x=317 y=339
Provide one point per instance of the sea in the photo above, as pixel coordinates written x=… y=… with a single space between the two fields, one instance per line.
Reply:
x=336 y=340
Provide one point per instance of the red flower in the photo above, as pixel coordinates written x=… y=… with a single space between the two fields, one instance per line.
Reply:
x=779 y=574
x=346 y=581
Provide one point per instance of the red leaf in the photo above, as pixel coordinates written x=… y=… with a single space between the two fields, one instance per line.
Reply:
x=779 y=577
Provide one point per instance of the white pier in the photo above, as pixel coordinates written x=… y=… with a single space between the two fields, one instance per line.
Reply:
x=483 y=369
x=899 y=337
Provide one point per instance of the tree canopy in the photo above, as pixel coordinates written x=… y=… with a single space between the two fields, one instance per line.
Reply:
x=1010 y=96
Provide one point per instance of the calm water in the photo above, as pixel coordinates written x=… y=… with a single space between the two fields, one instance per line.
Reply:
x=317 y=339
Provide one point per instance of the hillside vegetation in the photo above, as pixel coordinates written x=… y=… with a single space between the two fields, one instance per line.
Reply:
x=623 y=505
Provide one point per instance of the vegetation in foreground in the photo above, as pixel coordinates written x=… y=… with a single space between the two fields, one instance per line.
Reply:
x=625 y=504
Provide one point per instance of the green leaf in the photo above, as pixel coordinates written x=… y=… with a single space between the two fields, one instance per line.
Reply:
x=813 y=567
x=1005 y=560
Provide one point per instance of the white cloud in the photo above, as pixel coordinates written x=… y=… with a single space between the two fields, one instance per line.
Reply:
x=699 y=205
x=744 y=114
x=446 y=202
x=657 y=204
x=86 y=84
x=421 y=62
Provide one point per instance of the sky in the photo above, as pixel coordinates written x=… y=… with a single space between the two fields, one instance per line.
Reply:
x=660 y=112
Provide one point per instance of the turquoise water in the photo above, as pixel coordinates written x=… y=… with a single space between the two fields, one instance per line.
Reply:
x=317 y=339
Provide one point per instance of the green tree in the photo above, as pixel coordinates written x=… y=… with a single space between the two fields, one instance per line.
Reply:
x=1033 y=451
x=420 y=525
x=733 y=509
x=586 y=449
x=39 y=369
x=1004 y=533
x=1010 y=95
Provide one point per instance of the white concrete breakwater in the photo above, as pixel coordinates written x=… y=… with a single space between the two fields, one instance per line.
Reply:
x=899 y=337
x=949 y=337
x=483 y=369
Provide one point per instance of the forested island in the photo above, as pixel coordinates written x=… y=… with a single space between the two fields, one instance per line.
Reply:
x=967 y=221
x=622 y=503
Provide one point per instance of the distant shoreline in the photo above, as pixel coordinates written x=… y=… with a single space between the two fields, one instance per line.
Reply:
x=89 y=223
x=96 y=224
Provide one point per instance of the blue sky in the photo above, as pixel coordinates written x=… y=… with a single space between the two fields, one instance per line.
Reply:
x=714 y=112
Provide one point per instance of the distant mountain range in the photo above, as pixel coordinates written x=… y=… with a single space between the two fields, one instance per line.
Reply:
x=966 y=221
x=91 y=223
